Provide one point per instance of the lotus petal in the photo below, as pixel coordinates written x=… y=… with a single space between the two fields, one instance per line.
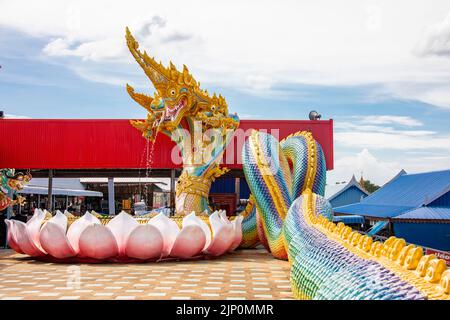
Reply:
x=237 y=228
x=223 y=216
x=33 y=227
x=68 y=214
x=97 y=242
x=191 y=240
x=121 y=226
x=77 y=227
x=60 y=219
x=53 y=238
x=192 y=219
x=144 y=242
x=12 y=236
x=169 y=230
x=223 y=235
x=24 y=241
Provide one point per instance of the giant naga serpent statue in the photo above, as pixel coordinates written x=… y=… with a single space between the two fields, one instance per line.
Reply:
x=287 y=212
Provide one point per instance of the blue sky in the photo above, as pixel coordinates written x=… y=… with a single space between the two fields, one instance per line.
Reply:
x=386 y=85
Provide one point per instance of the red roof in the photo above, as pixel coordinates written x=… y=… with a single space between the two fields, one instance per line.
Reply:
x=115 y=144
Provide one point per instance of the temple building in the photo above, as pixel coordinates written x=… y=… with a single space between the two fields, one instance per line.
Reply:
x=415 y=207
x=341 y=195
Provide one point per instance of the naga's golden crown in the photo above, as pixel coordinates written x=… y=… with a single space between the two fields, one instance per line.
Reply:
x=163 y=77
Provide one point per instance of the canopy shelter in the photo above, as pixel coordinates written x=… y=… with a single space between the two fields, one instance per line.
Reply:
x=60 y=192
x=350 y=219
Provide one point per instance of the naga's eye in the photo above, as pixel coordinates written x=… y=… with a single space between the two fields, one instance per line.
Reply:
x=172 y=92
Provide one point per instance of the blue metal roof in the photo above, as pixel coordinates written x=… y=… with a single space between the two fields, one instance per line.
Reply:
x=427 y=213
x=352 y=183
x=352 y=219
x=403 y=193
x=412 y=190
x=379 y=211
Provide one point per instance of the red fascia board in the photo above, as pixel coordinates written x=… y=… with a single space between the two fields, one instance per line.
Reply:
x=115 y=144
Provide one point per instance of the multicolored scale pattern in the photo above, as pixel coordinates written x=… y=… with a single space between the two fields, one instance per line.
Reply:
x=328 y=261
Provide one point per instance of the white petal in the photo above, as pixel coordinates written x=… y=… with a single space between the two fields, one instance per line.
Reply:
x=223 y=235
x=54 y=240
x=77 y=227
x=237 y=229
x=145 y=242
x=169 y=230
x=189 y=242
x=192 y=219
x=60 y=219
x=97 y=242
x=121 y=226
x=33 y=227
x=12 y=236
x=27 y=245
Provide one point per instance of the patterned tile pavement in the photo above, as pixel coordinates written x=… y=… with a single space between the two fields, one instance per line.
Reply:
x=244 y=274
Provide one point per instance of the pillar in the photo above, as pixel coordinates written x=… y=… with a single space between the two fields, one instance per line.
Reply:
x=111 y=201
x=172 y=191
x=9 y=211
x=237 y=189
x=50 y=191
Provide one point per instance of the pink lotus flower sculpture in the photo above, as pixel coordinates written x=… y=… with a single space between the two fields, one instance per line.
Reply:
x=123 y=238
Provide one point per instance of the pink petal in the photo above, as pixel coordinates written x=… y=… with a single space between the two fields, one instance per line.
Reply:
x=121 y=226
x=60 y=219
x=144 y=242
x=97 y=242
x=54 y=240
x=12 y=236
x=77 y=227
x=237 y=229
x=169 y=230
x=27 y=246
x=190 y=242
x=192 y=219
x=33 y=227
x=223 y=235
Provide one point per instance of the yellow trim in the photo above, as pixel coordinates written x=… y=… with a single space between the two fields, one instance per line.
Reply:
x=390 y=254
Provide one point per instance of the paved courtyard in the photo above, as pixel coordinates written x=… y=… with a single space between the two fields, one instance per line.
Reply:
x=244 y=274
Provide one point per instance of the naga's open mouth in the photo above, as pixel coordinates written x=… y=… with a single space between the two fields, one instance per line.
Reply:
x=172 y=113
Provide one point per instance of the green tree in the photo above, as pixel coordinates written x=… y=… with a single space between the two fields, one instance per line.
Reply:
x=370 y=187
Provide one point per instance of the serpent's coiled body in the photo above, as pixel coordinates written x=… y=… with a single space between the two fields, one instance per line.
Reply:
x=329 y=261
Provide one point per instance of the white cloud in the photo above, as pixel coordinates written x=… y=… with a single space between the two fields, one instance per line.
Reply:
x=397 y=140
x=13 y=116
x=390 y=119
x=380 y=171
x=372 y=168
x=436 y=41
x=247 y=45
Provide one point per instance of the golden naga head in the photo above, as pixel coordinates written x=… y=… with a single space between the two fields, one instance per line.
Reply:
x=178 y=95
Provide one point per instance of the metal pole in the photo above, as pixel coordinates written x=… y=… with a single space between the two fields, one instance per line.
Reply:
x=111 y=201
x=237 y=188
x=172 y=191
x=67 y=202
x=50 y=191
x=8 y=216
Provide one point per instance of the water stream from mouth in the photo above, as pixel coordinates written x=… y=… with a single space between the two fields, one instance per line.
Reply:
x=148 y=154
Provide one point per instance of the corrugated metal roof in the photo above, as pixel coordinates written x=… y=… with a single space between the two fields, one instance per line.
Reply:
x=351 y=183
x=413 y=190
x=114 y=143
x=60 y=192
x=371 y=210
x=427 y=213
x=352 y=219
x=403 y=193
